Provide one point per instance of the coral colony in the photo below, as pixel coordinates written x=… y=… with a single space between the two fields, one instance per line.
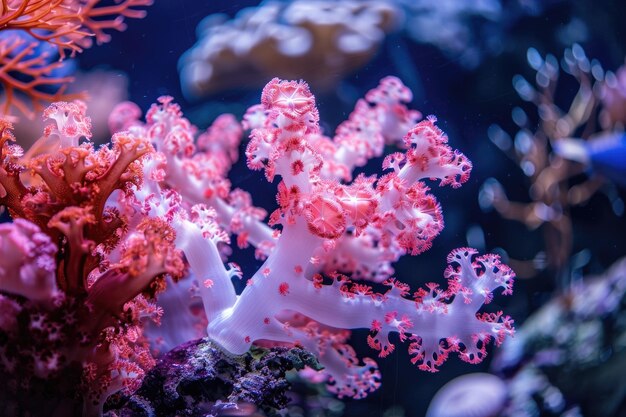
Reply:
x=96 y=232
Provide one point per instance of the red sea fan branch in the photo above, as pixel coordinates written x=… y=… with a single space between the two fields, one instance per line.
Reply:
x=49 y=21
x=69 y=24
x=96 y=19
x=27 y=74
x=26 y=79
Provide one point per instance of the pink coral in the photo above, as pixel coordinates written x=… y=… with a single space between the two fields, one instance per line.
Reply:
x=123 y=216
x=28 y=264
x=324 y=231
x=80 y=302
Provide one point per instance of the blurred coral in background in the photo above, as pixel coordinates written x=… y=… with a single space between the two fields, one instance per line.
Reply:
x=467 y=31
x=320 y=41
x=323 y=41
x=569 y=351
x=569 y=151
x=104 y=90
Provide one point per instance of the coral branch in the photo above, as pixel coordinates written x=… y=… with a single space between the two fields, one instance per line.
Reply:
x=156 y=206
x=33 y=33
x=362 y=225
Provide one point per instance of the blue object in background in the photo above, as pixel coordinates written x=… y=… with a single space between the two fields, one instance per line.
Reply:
x=605 y=155
x=608 y=157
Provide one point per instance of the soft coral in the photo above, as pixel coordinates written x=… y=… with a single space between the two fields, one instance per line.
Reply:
x=327 y=228
x=79 y=307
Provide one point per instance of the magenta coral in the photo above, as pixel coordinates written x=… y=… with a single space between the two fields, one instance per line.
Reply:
x=28 y=263
x=74 y=270
x=323 y=231
x=123 y=215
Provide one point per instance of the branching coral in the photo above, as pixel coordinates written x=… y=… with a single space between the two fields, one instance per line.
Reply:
x=35 y=32
x=554 y=162
x=121 y=217
x=73 y=271
x=328 y=230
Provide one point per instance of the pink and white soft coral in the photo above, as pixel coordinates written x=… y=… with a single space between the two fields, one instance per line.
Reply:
x=76 y=273
x=325 y=230
x=120 y=216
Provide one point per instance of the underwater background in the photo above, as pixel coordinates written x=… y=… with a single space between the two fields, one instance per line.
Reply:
x=466 y=76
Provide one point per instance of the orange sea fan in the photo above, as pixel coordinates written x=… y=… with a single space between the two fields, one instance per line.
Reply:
x=27 y=71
